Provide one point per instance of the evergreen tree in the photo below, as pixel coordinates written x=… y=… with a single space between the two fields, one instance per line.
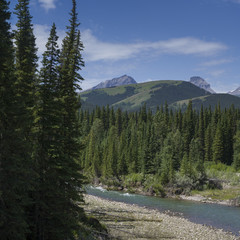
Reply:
x=201 y=134
x=13 y=197
x=110 y=162
x=119 y=121
x=208 y=144
x=133 y=165
x=228 y=138
x=236 y=147
x=48 y=148
x=166 y=173
x=94 y=148
x=196 y=164
x=143 y=113
x=185 y=166
x=175 y=140
x=70 y=180
x=123 y=146
x=188 y=127
x=26 y=86
x=26 y=66
x=218 y=145
x=149 y=150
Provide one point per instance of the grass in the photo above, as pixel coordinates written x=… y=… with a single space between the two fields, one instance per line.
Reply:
x=229 y=179
x=114 y=90
x=134 y=101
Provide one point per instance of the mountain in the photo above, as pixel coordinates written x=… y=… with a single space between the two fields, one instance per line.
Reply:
x=235 y=92
x=200 y=82
x=176 y=93
x=123 y=80
x=132 y=97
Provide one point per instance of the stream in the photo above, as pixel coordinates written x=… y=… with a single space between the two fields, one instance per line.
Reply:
x=218 y=216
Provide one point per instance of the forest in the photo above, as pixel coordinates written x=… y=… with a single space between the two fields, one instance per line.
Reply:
x=167 y=144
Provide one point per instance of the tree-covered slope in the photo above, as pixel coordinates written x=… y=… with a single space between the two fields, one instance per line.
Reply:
x=225 y=101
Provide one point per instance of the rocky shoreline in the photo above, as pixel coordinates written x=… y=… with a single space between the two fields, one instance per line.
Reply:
x=126 y=221
x=196 y=198
x=199 y=198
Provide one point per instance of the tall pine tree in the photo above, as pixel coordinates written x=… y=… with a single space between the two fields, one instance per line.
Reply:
x=47 y=151
x=70 y=179
x=13 y=224
x=236 y=147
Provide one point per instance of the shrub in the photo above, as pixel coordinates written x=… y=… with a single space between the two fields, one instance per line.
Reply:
x=133 y=180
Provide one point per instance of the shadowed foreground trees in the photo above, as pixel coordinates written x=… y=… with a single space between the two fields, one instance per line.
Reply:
x=13 y=196
x=40 y=179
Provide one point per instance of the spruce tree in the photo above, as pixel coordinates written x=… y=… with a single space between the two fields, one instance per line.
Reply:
x=189 y=127
x=123 y=146
x=112 y=154
x=70 y=180
x=185 y=165
x=201 y=134
x=208 y=144
x=218 y=145
x=48 y=148
x=167 y=174
x=236 y=147
x=13 y=224
x=25 y=90
x=94 y=147
x=26 y=66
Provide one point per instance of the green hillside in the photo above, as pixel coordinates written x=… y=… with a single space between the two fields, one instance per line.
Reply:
x=131 y=97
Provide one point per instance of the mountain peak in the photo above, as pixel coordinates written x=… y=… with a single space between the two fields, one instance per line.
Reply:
x=123 y=80
x=200 y=82
x=235 y=92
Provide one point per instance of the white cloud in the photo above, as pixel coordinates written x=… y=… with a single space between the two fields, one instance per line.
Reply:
x=96 y=50
x=216 y=62
x=48 y=4
x=41 y=33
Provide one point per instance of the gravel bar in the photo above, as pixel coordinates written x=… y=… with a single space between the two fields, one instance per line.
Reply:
x=127 y=221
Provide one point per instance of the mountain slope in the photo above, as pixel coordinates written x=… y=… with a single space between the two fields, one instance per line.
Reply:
x=225 y=101
x=235 y=92
x=123 y=80
x=131 y=97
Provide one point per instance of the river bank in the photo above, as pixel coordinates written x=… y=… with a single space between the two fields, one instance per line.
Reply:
x=127 y=221
x=214 y=191
x=198 y=197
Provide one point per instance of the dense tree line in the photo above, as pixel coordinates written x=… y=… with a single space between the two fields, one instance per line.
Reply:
x=40 y=178
x=120 y=143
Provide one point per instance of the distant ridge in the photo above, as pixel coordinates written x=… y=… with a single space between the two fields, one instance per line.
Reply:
x=200 y=82
x=123 y=80
x=235 y=92
x=132 y=97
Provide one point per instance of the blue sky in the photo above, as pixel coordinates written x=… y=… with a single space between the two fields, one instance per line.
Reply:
x=150 y=39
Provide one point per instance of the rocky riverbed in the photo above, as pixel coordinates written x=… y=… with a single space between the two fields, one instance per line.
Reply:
x=126 y=221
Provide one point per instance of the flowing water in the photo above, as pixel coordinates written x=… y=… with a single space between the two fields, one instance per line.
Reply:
x=218 y=216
